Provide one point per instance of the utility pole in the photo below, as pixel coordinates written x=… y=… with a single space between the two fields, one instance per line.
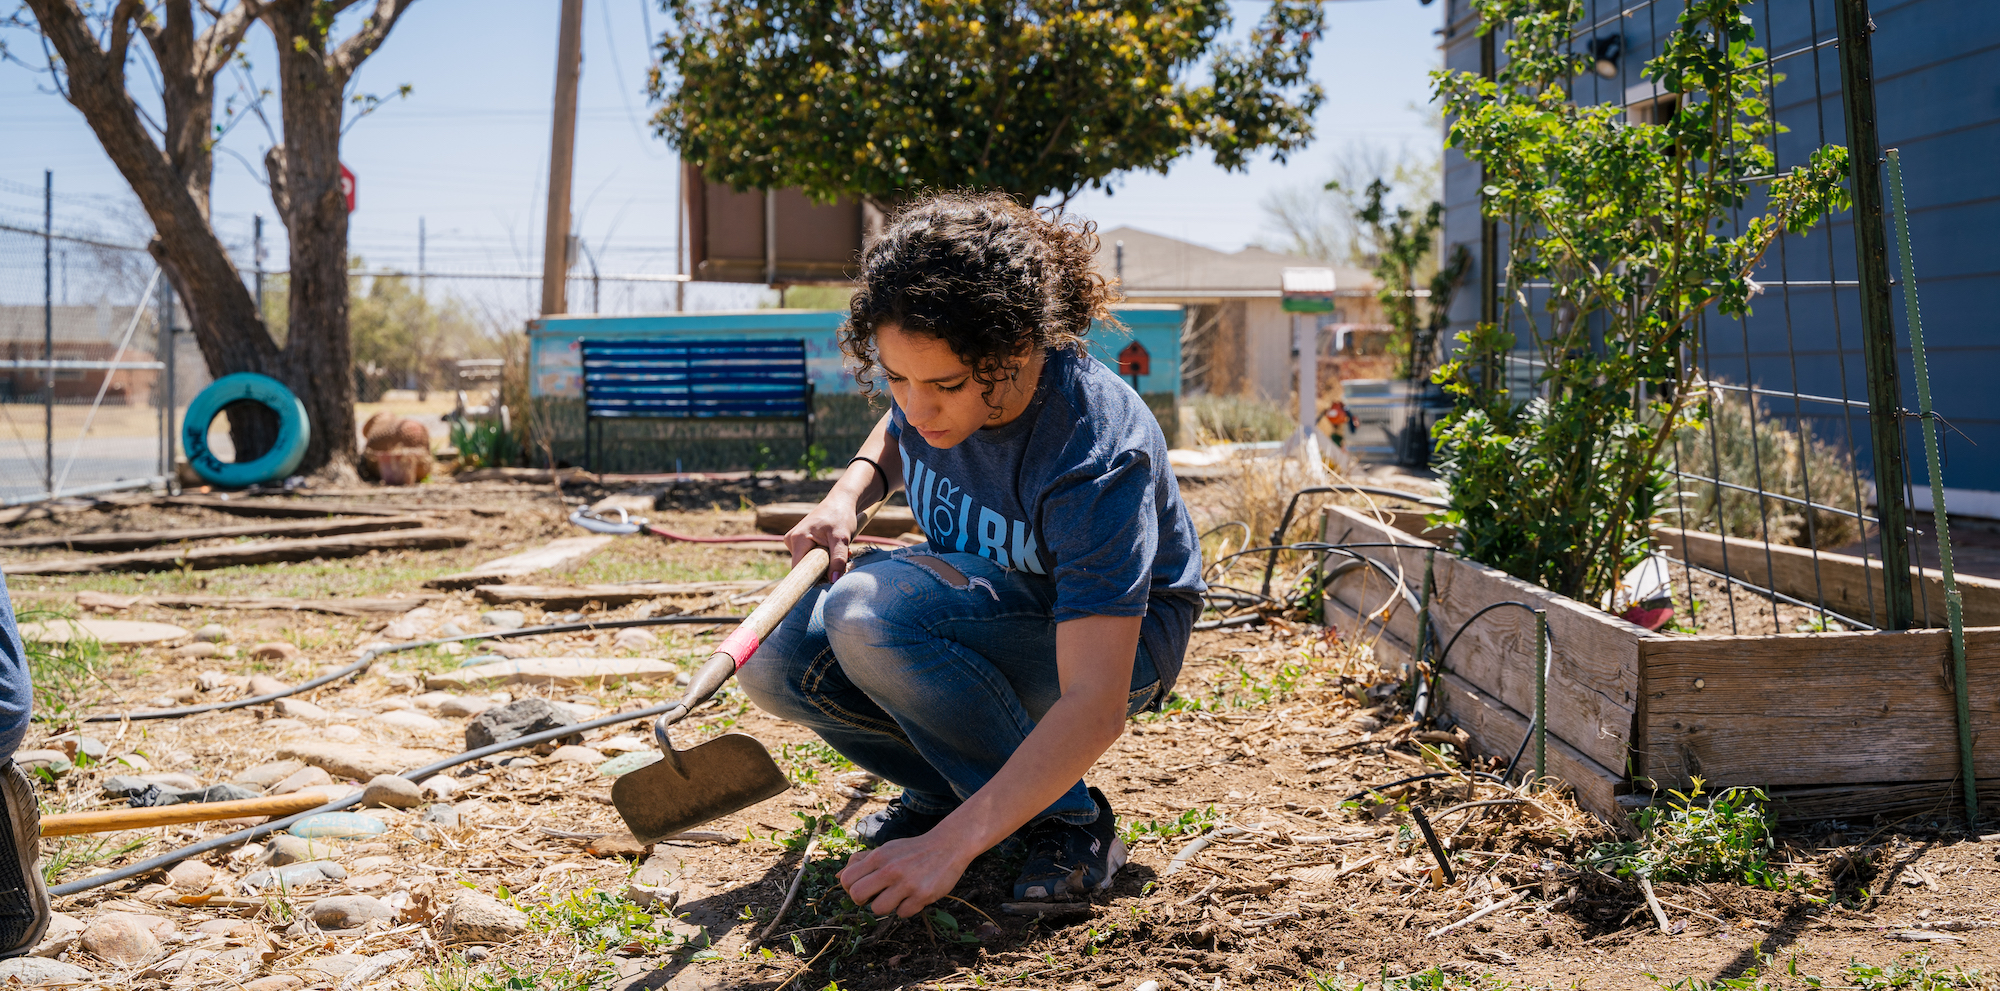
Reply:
x=562 y=158
x=421 y=237
x=49 y=331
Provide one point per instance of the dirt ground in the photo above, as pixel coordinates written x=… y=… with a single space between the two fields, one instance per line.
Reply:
x=1279 y=747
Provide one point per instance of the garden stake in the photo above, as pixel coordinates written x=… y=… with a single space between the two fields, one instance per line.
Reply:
x=1954 y=606
x=1424 y=638
x=1437 y=849
x=1541 y=696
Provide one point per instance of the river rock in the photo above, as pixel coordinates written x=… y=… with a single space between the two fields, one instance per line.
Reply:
x=635 y=639
x=619 y=844
x=123 y=939
x=301 y=709
x=195 y=651
x=628 y=762
x=38 y=971
x=402 y=629
x=506 y=619
x=60 y=936
x=573 y=754
x=213 y=633
x=390 y=791
x=54 y=761
x=270 y=774
x=264 y=684
x=442 y=815
x=356 y=762
x=349 y=911
x=449 y=630
x=515 y=720
x=477 y=917
x=275 y=650
x=276 y=982
x=172 y=781
x=191 y=875
x=459 y=705
x=296 y=875
x=304 y=777
x=338 y=964
x=439 y=787
x=342 y=733
x=338 y=826
x=408 y=719
x=285 y=850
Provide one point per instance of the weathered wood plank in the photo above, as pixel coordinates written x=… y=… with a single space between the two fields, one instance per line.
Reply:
x=1593 y=680
x=135 y=540
x=111 y=602
x=269 y=552
x=556 y=555
x=1847 y=582
x=577 y=595
x=1857 y=803
x=1814 y=709
x=279 y=509
x=781 y=517
x=1497 y=729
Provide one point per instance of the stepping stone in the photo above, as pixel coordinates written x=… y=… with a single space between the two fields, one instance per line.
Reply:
x=110 y=632
x=360 y=763
x=563 y=672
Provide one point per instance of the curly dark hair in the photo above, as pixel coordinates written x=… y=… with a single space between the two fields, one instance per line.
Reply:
x=982 y=273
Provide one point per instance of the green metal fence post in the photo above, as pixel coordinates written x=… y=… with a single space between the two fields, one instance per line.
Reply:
x=1878 y=330
x=1954 y=605
x=1541 y=696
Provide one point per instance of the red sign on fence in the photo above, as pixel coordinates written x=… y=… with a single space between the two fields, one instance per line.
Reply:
x=347 y=187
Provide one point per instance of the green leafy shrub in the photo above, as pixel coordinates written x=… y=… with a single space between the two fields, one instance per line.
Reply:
x=1623 y=232
x=1727 y=838
x=483 y=444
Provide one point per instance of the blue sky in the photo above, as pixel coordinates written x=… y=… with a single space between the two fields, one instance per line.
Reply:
x=468 y=151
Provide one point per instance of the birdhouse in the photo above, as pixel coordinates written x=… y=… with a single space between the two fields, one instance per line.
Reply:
x=1135 y=360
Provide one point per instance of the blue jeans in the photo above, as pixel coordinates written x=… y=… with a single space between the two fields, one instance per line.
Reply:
x=16 y=688
x=927 y=669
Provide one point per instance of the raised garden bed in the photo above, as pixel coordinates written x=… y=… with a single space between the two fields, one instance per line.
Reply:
x=1832 y=725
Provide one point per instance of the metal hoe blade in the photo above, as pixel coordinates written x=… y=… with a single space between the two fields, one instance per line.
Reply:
x=697 y=785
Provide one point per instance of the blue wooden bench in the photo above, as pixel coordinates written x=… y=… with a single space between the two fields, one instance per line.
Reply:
x=693 y=380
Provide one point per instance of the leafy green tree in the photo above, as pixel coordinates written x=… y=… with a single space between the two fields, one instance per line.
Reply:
x=1405 y=242
x=1631 y=227
x=874 y=98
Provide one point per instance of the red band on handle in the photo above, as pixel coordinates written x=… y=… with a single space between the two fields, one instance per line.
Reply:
x=740 y=644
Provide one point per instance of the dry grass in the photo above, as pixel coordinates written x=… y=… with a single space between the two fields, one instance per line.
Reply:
x=1745 y=444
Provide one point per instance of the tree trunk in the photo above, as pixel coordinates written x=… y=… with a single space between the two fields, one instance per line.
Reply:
x=305 y=183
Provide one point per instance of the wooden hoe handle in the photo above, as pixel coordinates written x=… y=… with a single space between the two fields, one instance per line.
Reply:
x=75 y=823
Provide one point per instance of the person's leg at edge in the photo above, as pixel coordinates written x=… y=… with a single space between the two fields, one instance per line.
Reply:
x=24 y=898
x=796 y=677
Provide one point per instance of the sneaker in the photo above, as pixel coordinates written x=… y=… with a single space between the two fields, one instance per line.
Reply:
x=897 y=822
x=1066 y=861
x=24 y=898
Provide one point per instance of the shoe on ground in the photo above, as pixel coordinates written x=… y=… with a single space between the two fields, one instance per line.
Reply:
x=897 y=822
x=1066 y=861
x=24 y=898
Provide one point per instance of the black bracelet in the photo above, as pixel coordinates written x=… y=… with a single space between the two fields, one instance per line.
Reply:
x=879 y=473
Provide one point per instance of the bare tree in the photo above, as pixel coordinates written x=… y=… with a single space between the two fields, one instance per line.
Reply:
x=170 y=165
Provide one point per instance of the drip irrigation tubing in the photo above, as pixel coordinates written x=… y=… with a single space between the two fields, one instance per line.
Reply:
x=369 y=658
x=336 y=805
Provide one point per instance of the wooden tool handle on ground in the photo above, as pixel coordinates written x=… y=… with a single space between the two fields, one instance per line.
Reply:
x=75 y=823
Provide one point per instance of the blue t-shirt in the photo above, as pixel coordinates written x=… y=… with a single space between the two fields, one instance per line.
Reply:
x=1077 y=489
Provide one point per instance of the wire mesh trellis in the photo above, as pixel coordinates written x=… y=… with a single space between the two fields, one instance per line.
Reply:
x=1800 y=468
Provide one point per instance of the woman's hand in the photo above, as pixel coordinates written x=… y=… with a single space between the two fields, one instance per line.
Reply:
x=903 y=877
x=829 y=525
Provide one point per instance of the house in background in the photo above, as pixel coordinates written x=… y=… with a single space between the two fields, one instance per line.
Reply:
x=1237 y=339
x=82 y=334
x=1935 y=66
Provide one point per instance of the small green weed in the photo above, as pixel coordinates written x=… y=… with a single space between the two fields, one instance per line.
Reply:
x=1727 y=838
x=64 y=674
x=1917 y=974
x=61 y=856
x=804 y=761
x=1429 y=979
x=482 y=444
x=1189 y=823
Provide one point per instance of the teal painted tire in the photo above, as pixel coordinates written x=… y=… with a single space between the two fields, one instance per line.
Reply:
x=294 y=431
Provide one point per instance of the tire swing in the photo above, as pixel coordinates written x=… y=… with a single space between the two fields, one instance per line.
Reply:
x=294 y=431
